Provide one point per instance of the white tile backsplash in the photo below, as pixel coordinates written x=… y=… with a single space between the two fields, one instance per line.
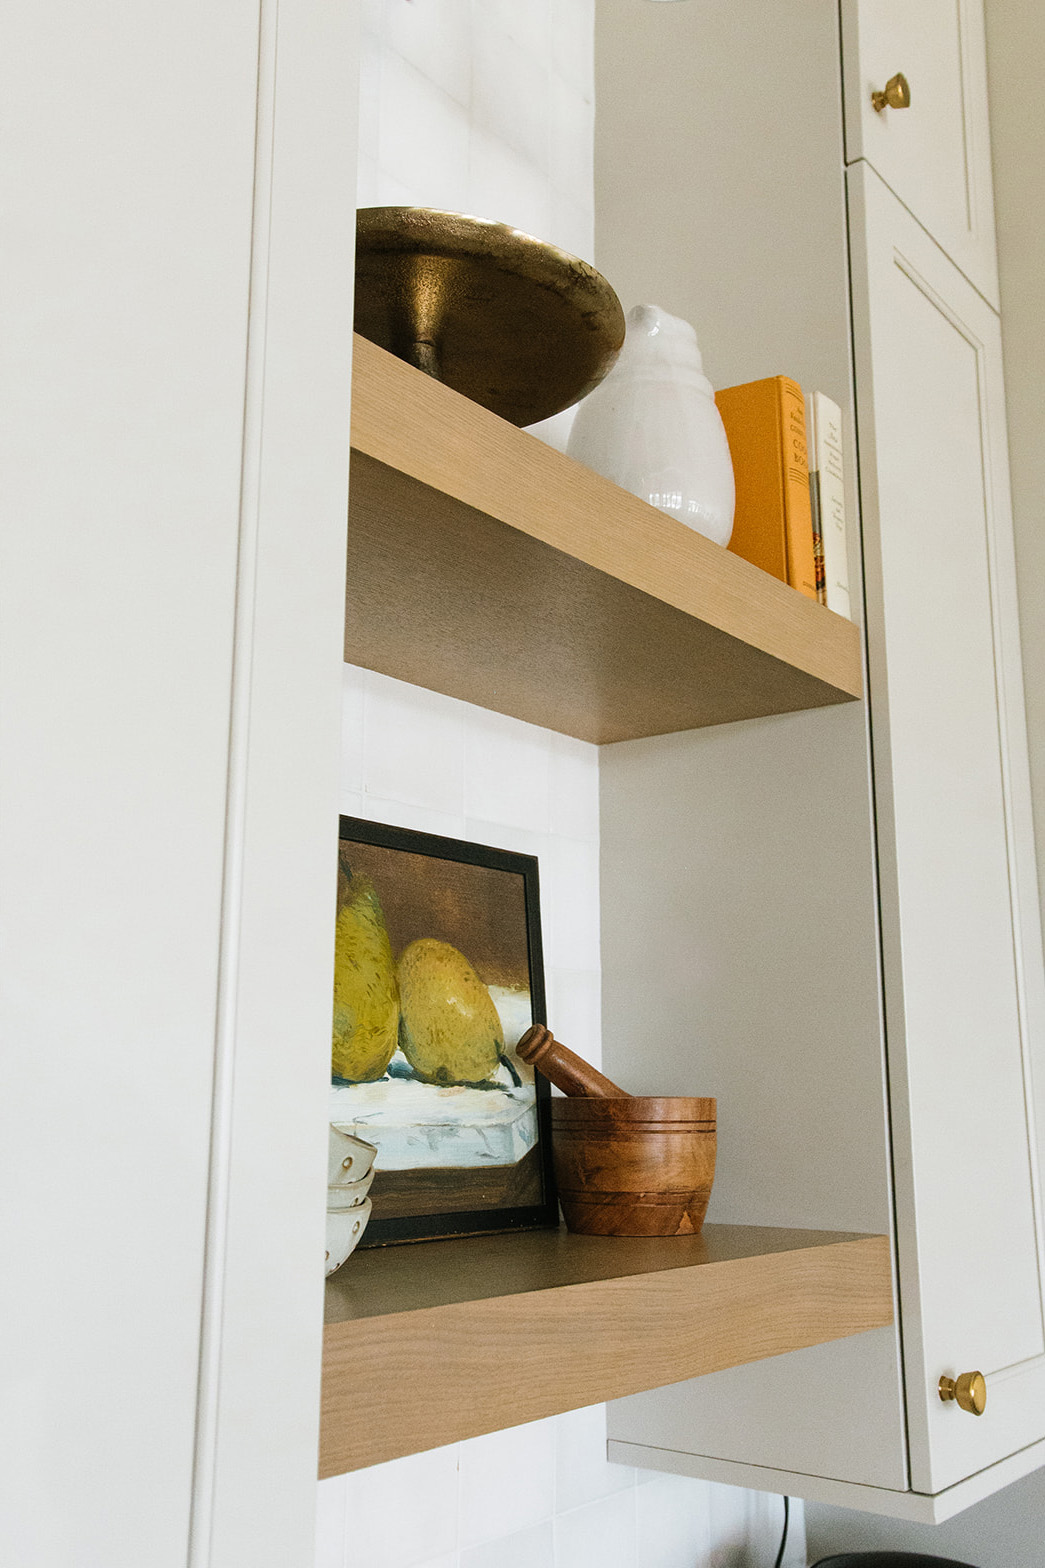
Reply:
x=573 y=44
x=599 y=1535
x=422 y=819
x=414 y=746
x=436 y=37
x=507 y=1482
x=575 y=1003
x=729 y=1527
x=507 y=772
x=525 y=23
x=534 y=1548
x=422 y=136
x=492 y=163
x=569 y=869
x=520 y=118
x=573 y=789
x=674 y=1521
x=583 y=1474
x=571 y=139
x=402 y=1513
x=482 y=106
x=487 y=106
x=353 y=710
x=543 y=1496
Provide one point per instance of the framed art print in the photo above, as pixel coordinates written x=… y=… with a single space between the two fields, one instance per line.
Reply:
x=438 y=973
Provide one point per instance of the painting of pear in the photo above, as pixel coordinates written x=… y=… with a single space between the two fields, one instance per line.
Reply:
x=449 y=1029
x=438 y=974
x=366 y=994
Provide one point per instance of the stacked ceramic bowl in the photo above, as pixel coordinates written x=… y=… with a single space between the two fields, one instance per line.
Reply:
x=350 y=1170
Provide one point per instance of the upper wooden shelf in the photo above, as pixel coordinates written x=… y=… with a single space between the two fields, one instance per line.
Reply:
x=428 y=1344
x=486 y=565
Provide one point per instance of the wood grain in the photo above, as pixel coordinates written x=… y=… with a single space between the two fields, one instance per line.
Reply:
x=636 y=1165
x=441 y=1189
x=486 y=565
x=482 y=1333
x=563 y=1067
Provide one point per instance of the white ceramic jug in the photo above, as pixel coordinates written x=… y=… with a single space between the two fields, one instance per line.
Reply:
x=652 y=426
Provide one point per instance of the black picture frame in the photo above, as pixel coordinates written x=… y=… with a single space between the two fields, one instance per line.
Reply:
x=387 y=1228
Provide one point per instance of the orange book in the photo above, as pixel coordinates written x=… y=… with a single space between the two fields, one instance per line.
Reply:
x=773 y=525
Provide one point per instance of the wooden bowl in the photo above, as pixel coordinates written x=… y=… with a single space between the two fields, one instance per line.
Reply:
x=634 y=1166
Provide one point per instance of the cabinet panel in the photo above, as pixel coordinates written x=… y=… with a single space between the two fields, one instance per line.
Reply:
x=121 y=415
x=951 y=774
x=935 y=154
x=172 y=554
x=739 y=923
x=740 y=959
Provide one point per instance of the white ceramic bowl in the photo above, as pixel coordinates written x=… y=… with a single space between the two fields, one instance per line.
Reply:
x=348 y=1159
x=351 y=1195
x=344 y=1229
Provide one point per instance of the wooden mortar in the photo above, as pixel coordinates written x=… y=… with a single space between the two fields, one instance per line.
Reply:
x=626 y=1165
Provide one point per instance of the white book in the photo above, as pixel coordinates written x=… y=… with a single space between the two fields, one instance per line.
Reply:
x=827 y=483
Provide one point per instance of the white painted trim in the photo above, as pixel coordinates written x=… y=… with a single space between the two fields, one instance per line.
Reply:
x=919 y=1507
x=887 y=239
x=205 y=1459
x=126 y=189
x=254 y=1492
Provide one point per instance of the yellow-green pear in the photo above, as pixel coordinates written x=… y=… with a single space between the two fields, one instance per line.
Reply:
x=449 y=1030
x=366 y=995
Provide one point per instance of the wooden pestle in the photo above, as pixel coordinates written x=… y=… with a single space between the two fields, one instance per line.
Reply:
x=564 y=1068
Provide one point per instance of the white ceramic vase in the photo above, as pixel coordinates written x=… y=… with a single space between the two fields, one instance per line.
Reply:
x=653 y=428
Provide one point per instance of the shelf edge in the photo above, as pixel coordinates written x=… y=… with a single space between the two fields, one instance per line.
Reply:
x=418 y=427
x=409 y=1381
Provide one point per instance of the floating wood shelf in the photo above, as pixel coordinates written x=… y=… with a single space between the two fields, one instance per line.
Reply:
x=486 y=565
x=427 y=1344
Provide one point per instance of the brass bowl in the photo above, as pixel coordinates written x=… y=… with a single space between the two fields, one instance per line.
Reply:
x=511 y=322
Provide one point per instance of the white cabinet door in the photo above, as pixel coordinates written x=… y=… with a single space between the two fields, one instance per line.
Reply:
x=175 y=320
x=935 y=154
x=126 y=189
x=961 y=935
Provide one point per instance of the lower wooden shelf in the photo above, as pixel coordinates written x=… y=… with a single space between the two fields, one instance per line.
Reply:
x=431 y=1343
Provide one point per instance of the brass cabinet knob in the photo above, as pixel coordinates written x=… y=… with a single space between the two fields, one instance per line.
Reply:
x=968 y=1390
x=897 y=94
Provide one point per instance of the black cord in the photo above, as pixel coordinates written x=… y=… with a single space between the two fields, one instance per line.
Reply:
x=783 y=1538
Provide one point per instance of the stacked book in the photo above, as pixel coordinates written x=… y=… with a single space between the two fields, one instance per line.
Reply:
x=790 y=509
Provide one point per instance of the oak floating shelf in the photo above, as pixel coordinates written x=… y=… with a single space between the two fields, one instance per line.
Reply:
x=431 y=1343
x=485 y=565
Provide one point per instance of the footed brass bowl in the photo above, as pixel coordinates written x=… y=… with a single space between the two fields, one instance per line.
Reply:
x=508 y=320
